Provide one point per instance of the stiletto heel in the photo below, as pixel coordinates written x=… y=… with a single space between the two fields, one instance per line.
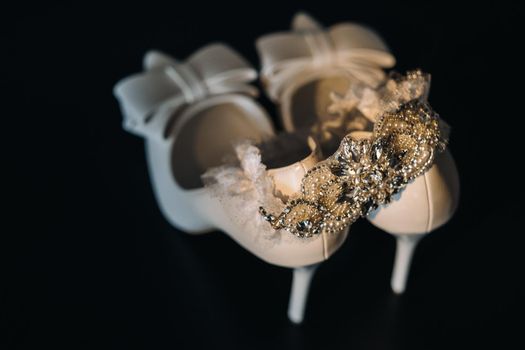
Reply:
x=405 y=247
x=302 y=277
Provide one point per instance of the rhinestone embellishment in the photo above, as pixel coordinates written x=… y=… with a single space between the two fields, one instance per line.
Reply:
x=363 y=174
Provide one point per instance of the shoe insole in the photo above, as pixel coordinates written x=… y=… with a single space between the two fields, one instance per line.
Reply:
x=310 y=102
x=284 y=149
x=206 y=140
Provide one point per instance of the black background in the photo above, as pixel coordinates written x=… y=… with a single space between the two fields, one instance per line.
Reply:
x=90 y=262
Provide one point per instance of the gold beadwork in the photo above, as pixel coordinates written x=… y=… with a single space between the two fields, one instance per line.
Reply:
x=363 y=174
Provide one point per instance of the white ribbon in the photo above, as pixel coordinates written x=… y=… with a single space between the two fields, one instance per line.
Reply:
x=309 y=48
x=166 y=83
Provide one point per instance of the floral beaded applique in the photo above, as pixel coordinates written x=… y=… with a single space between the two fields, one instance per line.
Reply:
x=364 y=173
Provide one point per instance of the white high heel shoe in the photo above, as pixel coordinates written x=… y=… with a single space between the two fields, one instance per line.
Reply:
x=371 y=169
x=238 y=192
x=302 y=68
x=189 y=114
x=423 y=206
x=426 y=203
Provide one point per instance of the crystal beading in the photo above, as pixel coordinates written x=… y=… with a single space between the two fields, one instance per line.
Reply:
x=363 y=174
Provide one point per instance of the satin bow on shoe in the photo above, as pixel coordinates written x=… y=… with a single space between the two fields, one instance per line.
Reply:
x=349 y=46
x=166 y=83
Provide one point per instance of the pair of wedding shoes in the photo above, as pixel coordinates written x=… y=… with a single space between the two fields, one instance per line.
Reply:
x=197 y=116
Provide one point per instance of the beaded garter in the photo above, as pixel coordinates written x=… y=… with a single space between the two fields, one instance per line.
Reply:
x=365 y=173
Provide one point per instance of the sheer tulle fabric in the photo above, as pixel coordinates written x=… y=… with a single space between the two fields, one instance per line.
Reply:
x=242 y=186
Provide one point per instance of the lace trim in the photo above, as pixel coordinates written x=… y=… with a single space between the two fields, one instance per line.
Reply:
x=242 y=187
